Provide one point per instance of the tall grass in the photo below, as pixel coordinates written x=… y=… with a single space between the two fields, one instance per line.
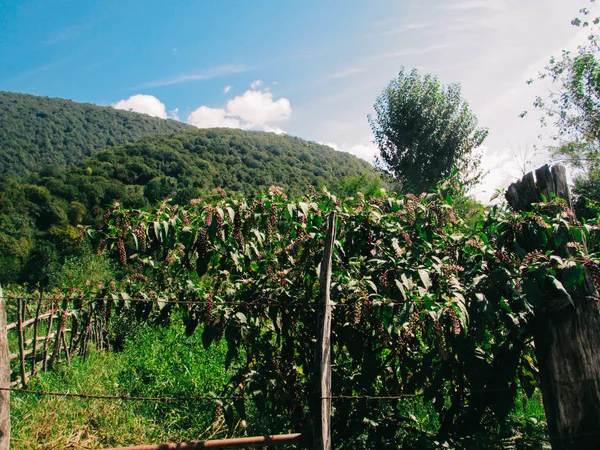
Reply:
x=155 y=362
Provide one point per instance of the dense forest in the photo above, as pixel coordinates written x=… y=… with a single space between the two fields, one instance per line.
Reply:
x=40 y=131
x=43 y=201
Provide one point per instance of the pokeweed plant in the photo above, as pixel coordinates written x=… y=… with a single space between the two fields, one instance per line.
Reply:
x=427 y=313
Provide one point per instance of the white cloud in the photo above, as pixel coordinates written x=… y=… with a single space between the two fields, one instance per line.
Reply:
x=274 y=130
x=174 y=114
x=145 y=104
x=251 y=110
x=330 y=144
x=205 y=117
x=255 y=84
x=207 y=74
x=258 y=108
x=365 y=149
x=227 y=89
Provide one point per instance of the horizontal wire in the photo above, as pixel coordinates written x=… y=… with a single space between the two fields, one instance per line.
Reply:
x=120 y=397
x=91 y=300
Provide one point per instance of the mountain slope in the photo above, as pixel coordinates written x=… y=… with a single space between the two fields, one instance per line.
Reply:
x=40 y=212
x=244 y=162
x=38 y=131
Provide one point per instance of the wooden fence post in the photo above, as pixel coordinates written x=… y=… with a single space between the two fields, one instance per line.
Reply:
x=59 y=331
x=21 y=337
x=35 y=335
x=4 y=379
x=567 y=338
x=323 y=417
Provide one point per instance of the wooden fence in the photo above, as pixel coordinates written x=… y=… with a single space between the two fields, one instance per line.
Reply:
x=45 y=336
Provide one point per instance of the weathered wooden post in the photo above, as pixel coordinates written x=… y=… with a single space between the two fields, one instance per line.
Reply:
x=21 y=337
x=35 y=335
x=567 y=338
x=4 y=379
x=323 y=417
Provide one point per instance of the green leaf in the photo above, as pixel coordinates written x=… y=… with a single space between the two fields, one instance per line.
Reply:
x=532 y=291
x=208 y=335
x=572 y=276
x=241 y=317
x=231 y=213
x=157 y=230
x=304 y=208
x=424 y=275
x=559 y=289
x=401 y=288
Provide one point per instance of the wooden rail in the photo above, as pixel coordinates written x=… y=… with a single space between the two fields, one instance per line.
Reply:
x=245 y=442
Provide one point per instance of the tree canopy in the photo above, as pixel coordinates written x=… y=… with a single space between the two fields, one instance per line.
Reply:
x=39 y=213
x=572 y=107
x=40 y=132
x=424 y=131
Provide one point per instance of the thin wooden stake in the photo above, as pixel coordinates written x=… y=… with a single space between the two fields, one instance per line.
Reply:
x=20 y=309
x=323 y=417
x=4 y=379
x=59 y=329
x=66 y=348
x=48 y=334
x=35 y=330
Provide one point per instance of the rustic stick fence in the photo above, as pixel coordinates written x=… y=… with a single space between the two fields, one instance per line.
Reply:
x=567 y=345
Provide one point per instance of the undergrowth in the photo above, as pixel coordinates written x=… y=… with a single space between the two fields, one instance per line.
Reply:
x=156 y=362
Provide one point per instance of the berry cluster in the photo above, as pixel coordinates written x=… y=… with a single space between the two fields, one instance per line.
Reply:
x=237 y=226
x=122 y=252
x=301 y=237
x=410 y=209
x=435 y=280
x=539 y=221
x=139 y=276
x=140 y=232
x=449 y=269
x=201 y=244
x=441 y=340
x=384 y=278
x=452 y=217
x=536 y=254
x=271 y=221
x=439 y=214
x=221 y=193
x=503 y=256
x=455 y=322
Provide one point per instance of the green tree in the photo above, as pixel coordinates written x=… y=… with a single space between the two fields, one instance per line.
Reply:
x=573 y=104
x=424 y=131
x=573 y=108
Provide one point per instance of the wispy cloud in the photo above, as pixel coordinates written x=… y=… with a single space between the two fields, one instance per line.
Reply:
x=69 y=33
x=344 y=73
x=213 y=72
x=464 y=5
x=407 y=27
x=411 y=51
x=46 y=67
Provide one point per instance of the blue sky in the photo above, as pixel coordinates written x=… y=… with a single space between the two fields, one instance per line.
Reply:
x=311 y=68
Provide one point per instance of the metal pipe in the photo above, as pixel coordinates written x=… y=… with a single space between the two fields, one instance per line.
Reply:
x=255 y=441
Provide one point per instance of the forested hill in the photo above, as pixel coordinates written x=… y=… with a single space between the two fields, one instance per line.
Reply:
x=36 y=132
x=40 y=212
x=194 y=162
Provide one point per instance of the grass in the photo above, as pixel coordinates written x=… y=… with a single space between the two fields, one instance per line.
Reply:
x=159 y=362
